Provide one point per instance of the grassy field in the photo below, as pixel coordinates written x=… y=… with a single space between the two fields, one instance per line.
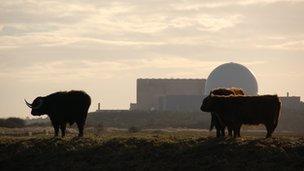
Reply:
x=151 y=150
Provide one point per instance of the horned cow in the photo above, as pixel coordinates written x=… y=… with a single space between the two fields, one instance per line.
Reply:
x=215 y=121
x=237 y=110
x=62 y=108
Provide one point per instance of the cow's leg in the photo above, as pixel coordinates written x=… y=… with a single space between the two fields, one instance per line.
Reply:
x=218 y=130
x=80 y=126
x=235 y=132
x=220 y=126
x=229 y=131
x=223 y=131
x=268 y=135
x=273 y=127
x=214 y=123
x=56 y=129
x=63 y=128
x=270 y=130
x=238 y=131
x=218 y=133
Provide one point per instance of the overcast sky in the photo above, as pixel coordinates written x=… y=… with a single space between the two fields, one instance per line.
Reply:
x=102 y=47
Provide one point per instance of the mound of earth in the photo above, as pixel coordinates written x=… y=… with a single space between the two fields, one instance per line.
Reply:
x=152 y=153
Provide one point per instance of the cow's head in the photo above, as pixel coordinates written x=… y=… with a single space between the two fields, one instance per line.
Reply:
x=208 y=104
x=38 y=106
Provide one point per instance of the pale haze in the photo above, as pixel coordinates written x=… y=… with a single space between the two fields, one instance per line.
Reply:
x=102 y=47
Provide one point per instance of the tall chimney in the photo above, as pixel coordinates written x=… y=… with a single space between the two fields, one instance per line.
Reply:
x=98 y=106
x=287 y=94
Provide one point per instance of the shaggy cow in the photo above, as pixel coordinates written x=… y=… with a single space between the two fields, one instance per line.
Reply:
x=215 y=121
x=237 y=110
x=62 y=108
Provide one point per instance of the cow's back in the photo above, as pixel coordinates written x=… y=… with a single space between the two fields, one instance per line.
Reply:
x=78 y=100
x=227 y=92
x=70 y=106
x=252 y=109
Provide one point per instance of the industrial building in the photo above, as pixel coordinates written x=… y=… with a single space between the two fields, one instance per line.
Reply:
x=291 y=102
x=169 y=94
x=187 y=94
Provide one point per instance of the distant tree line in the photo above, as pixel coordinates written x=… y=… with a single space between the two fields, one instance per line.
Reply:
x=150 y=119
x=12 y=123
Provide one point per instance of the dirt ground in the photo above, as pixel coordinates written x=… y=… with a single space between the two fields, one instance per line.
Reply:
x=152 y=150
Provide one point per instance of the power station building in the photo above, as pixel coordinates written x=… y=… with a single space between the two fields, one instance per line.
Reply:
x=291 y=102
x=187 y=94
x=169 y=94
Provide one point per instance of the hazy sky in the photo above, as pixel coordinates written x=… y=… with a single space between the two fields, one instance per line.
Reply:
x=102 y=47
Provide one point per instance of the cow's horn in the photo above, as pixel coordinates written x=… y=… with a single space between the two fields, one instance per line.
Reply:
x=28 y=104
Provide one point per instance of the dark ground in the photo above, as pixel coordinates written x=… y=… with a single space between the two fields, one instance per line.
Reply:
x=151 y=151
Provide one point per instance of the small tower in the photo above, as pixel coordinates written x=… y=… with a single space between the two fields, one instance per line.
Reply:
x=98 y=107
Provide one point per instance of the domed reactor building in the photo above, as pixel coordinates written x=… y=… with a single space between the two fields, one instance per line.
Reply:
x=232 y=75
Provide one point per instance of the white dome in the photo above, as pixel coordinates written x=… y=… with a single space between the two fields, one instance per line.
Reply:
x=232 y=75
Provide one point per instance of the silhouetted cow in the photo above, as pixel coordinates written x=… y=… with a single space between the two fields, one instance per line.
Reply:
x=237 y=110
x=215 y=121
x=62 y=108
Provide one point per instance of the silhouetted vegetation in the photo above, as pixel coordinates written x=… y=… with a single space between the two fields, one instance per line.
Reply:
x=41 y=122
x=149 y=119
x=149 y=151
